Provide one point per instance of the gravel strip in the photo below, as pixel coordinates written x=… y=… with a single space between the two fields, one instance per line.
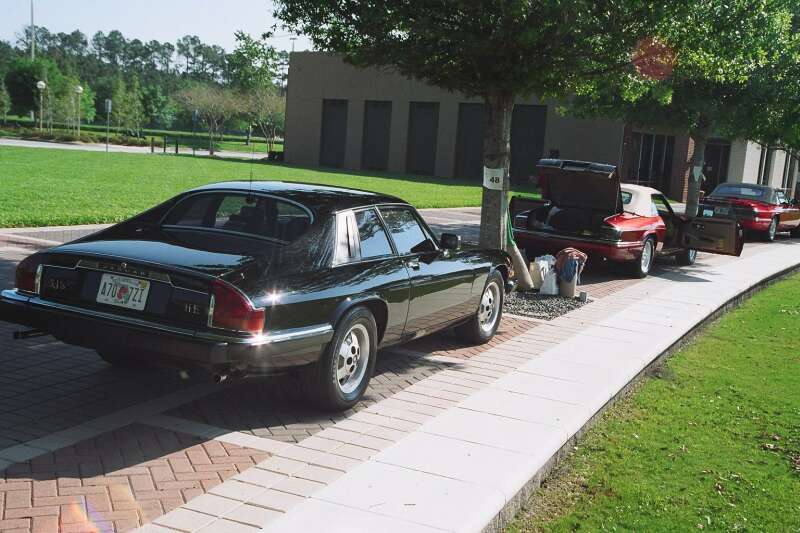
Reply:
x=535 y=305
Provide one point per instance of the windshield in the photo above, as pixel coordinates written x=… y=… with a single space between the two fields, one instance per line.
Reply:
x=258 y=216
x=742 y=190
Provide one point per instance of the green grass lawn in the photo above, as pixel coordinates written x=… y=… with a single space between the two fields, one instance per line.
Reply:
x=711 y=443
x=40 y=187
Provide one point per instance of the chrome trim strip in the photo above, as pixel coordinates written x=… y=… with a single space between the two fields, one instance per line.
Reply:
x=14 y=295
x=90 y=264
x=276 y=337
x=551 y=236
x=255 y=340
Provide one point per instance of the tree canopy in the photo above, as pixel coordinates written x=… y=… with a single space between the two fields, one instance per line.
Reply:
x=497 y=49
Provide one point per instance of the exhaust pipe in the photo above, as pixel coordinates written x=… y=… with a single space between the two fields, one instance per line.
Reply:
x=29 y=334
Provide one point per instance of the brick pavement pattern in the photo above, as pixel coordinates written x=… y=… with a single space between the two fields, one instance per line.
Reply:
x=117 y=481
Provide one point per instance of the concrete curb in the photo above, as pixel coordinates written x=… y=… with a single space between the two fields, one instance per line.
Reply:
x=515 y=504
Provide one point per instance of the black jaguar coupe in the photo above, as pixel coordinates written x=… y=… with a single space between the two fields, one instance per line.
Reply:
x=243 y=279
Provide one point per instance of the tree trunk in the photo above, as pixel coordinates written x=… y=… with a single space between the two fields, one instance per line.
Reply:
x=249 y=131
x=700 y=138
x=496 y=148
x=211 y=141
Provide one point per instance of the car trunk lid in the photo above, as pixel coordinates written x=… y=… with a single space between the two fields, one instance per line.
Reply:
x=173 y=282
x=581 y=185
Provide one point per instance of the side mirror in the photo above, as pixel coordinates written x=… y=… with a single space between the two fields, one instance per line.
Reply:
x=450 y=241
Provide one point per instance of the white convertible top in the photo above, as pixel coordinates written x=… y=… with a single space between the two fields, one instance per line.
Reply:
x=641 y=201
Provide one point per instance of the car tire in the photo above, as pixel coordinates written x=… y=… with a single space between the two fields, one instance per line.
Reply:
x=483 y=324
x=641 y=267
x=686 y=257
x=339 y=379
x=769 y=235
x=795 y=232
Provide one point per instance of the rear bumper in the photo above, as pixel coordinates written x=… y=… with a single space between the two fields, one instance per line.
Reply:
x=611 y=250
x=172 y=346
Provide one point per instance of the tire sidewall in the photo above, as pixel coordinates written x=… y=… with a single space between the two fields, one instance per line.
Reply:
x=332 y=395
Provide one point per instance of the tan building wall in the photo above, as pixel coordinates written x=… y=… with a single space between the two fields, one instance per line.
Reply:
x=315 y=76
x=745 y=163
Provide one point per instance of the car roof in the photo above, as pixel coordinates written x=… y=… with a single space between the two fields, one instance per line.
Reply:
x=749 y=185
x=640 y=189
x=320 y=198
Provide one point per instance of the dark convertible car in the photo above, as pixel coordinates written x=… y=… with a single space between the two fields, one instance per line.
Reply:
x=256 y=278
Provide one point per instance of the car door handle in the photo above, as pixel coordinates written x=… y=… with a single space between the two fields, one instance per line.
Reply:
x=413 y=264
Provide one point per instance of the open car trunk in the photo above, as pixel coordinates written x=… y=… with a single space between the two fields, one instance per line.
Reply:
x=577 y=199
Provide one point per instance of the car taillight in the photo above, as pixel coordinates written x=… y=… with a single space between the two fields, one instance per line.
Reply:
x=230 y=309
x=28 y=277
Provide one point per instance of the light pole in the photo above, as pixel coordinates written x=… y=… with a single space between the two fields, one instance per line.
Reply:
x=108 y=120
x=41 y=86
x=78 y=93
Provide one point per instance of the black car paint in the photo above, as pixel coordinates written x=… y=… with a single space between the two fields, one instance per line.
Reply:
x=301 y=290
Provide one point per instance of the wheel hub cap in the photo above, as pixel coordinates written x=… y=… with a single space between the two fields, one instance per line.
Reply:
x=352 y=360
x=489 y=308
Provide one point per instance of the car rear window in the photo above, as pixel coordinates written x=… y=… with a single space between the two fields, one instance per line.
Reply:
x=741 y=191
x=251 y=215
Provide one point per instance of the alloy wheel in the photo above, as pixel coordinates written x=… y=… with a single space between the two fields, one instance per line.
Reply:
x=773 y=229
x=489 y=310
x=647 y=256
x=353 y=358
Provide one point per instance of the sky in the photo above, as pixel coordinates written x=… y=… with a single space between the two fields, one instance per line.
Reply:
x=214 y=21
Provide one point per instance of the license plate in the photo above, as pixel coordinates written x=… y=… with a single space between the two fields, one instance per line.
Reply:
x=722 y=210
x=130 y=293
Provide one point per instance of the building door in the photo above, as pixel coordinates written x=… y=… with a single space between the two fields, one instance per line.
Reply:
x=423 y=129
x=528 y=125
x=377 y=127
x=715 y=168
x=469 y=142
x=333 y=136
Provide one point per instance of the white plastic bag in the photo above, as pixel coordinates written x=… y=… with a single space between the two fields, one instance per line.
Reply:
x=550 y=284
x=539 y=269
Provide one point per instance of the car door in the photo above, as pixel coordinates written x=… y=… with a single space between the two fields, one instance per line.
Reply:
x=441 y=280
x=789 y=215
x=372 y=268
x=713 y=235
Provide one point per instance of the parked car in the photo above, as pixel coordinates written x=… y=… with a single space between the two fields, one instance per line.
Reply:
x=758 y=208
x=585 y=206
x=243 y=279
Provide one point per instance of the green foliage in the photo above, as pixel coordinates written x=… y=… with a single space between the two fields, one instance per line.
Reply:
x=21 y=79
x=159 y=109
x=127 y=110
x=520 y=47
x=713 y=444
x=99 y=187
x=253 y=63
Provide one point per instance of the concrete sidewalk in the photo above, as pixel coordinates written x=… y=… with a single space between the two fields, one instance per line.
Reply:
x=116 y=148
x=463 y=448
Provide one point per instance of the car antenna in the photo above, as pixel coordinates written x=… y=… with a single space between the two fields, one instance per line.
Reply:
x=250 y=199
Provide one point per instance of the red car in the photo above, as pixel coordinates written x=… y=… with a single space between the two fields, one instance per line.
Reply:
x=585 y=206
x=758 y=208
